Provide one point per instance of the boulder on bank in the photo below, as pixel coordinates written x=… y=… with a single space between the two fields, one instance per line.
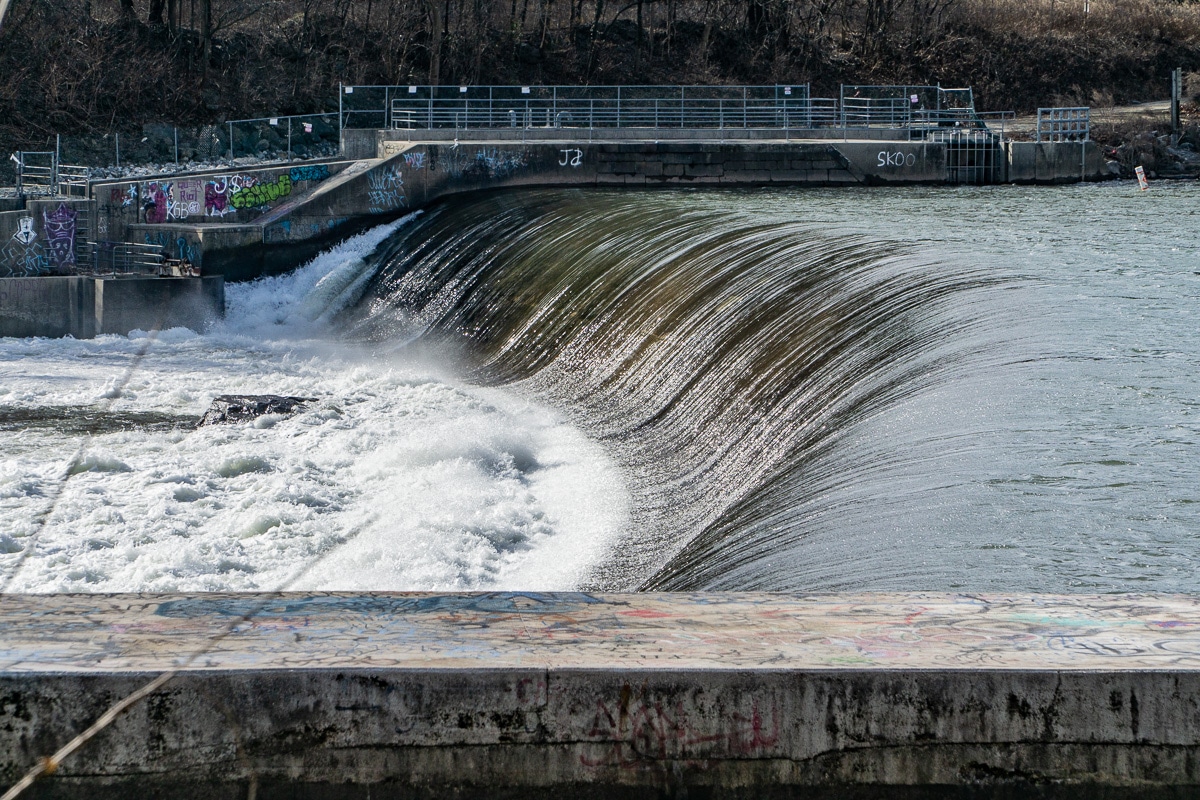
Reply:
x=241 y=407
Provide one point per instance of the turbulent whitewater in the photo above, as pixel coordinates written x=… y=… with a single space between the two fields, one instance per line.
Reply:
x=977 y=388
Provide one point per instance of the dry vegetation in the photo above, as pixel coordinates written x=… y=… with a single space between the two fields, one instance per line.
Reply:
x=75 y=66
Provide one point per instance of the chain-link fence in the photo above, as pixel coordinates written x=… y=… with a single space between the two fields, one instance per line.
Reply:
x=285 y=138
x=167 y=148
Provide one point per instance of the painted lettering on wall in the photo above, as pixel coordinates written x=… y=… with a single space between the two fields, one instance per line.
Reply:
x=415 y=160
x=261 y=194
x=216 y=197
x=59 y=227
x=897 y=159
x=185 y=201
x=313 y=172
x=385 y=190
x=573 y=157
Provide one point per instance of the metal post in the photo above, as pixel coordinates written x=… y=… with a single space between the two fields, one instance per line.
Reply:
x=117 y=142
x=1176 y=96
x=743 y=106
x=388 y=122
x=176 y=146
x=341 y=139
x=682 y=92
x=54 y=170
x=231 y=142
x=289 y=139
x=618 y=106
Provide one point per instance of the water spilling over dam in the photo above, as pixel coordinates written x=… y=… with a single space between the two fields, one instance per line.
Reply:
x=787 y=389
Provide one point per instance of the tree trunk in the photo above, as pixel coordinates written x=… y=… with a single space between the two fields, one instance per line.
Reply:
x=435 y=41
x=155 y=15
x=205 y=35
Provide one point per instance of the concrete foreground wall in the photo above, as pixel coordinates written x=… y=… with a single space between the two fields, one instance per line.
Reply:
x=85 y=307
x=584 y=695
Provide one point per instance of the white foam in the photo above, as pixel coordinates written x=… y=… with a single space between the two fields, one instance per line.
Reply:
x=401 y=477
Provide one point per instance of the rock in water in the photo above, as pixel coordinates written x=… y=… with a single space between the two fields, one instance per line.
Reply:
x=241 y=407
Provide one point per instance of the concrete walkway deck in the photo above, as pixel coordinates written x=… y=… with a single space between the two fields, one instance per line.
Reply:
x=146 y=633
x=601 y=695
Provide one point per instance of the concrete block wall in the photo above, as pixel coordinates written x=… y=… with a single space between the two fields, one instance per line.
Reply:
x=48 y=306
x=1054 y=162
x=43 y=238
x=84 y=307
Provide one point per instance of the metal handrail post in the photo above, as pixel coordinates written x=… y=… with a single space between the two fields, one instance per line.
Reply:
x=743 y=106
x=289 y=139
x=618 y=106
x=341 y=137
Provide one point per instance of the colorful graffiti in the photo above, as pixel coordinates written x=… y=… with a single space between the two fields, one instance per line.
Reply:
x=261 y=194
x=124 y=196
x=157 y=199
x=415 y=160
x=59 y=228
x=385 y=190
x=314 y=172
x=216 y=197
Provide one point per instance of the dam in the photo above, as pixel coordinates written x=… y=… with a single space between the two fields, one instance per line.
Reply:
x=916 y=520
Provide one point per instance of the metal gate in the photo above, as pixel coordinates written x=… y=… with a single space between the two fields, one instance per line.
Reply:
x=973 y=157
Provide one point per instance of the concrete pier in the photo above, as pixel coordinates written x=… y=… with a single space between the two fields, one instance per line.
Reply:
x=84 y=307
x=601 y=695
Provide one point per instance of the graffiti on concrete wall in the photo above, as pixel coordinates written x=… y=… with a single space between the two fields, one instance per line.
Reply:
x=312 y=172
x=261 y=194
x=216 y=196
x=385 y=190
x=572 y=157
x=25 y=233
x=493 y=163
x=415 y=160
x=23 y=255
x=185 y=200
x=156 y=201
x=59 y=228
x=175 y=247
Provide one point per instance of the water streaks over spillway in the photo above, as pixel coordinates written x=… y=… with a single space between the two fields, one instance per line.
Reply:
x=722 y=360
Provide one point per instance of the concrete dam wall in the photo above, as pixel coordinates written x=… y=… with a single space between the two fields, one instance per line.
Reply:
x=245 y=223
x=608 y=695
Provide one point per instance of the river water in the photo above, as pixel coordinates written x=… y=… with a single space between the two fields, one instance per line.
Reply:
x=981 y=389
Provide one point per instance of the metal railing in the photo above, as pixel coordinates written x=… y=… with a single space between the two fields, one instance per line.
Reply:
x=126 y=258
x=39 y=174
x=913 y=111
x=1064 y=124
x=426 y=107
